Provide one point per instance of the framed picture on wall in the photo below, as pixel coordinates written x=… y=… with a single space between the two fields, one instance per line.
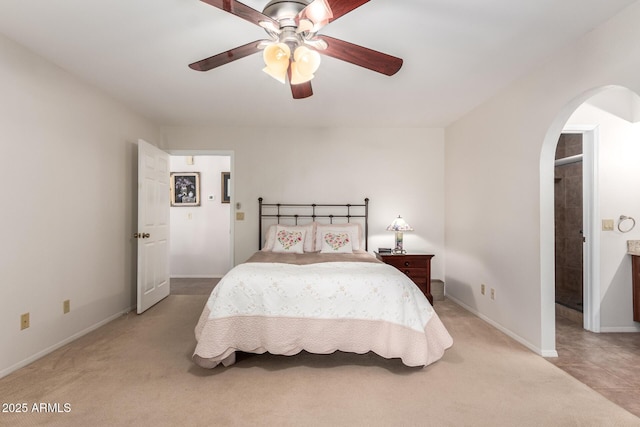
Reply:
x=225 y=187
x=185 y=188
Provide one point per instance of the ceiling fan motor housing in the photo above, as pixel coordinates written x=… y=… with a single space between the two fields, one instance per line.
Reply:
x=284 y=11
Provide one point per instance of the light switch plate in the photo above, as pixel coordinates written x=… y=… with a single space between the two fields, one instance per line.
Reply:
x=607 y=225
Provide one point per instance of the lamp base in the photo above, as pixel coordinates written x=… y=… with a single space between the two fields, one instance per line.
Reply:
x=399 y=248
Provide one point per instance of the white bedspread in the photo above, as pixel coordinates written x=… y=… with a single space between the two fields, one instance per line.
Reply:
x=333 y=290
x=323 y=307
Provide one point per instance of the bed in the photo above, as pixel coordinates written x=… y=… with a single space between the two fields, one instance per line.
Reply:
x=313 y=286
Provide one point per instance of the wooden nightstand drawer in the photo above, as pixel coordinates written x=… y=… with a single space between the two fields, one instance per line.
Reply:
x=407 y=261
x=414 y=273
x=422 y=284
x=416 y=266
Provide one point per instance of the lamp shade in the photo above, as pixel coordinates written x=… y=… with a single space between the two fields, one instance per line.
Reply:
x=276 y=58
x=399 y=224
x=315 y=16
x=306 y=62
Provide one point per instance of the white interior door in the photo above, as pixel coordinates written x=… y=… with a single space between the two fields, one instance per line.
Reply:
x=153 y=225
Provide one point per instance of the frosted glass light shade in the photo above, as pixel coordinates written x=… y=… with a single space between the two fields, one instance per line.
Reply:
x=306 y=62
x=276 y=58
x=315 y=16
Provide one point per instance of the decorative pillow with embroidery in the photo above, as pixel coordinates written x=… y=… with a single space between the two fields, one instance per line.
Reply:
x=289 y=241
x=309 y=237
x=336 y=243
x=352 y=229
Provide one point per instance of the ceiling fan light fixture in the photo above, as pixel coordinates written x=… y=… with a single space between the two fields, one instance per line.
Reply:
x=276 y=58
x=304 y=25
x=317 y=44
x=297 y=77
x=269 y=26
x=279 y=75
x=318 y=13
x=307 y=61
x=293 y=45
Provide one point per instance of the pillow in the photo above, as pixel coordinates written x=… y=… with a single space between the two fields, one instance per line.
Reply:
x=289 y=241
x=336 y=243
x=270 y=237
x=353 y=229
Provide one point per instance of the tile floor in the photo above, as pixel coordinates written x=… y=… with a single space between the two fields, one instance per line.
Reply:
x=569 y=298
x=607 y=362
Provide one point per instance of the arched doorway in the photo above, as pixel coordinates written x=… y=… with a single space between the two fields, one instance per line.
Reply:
x=604 y=269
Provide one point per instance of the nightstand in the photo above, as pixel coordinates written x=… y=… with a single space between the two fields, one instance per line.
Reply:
x=416 y=266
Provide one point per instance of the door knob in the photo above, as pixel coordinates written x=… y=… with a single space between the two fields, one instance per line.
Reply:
x=141 y=235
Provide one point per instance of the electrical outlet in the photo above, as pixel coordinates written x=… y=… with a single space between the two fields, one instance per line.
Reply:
x=482 y=289
x=66 y=306
x=493 y=294
x=24 y=321
x=607 y=225
x=239 y=216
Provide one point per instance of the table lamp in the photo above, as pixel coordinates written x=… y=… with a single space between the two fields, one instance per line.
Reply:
x=399 y=225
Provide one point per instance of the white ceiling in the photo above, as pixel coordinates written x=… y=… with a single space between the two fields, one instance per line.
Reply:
x=457 y=53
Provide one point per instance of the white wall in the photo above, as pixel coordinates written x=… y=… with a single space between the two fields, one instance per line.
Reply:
x=618 y=187
x=400 y=170
x=67 y=163
x=499 y=180
x=200 y=235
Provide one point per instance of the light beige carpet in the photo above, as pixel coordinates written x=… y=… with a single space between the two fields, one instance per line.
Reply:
x=137 y=371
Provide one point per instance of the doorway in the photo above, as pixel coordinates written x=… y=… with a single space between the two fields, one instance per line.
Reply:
x=161 y=203
x=200 y=232
x=577 y=239
x=606 y=116
x=569 y=234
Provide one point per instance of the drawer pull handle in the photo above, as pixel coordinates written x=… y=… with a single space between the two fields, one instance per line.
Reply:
x=406 y=272
x=406 y=263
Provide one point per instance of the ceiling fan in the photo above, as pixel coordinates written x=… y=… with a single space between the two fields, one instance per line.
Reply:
x=292 y=27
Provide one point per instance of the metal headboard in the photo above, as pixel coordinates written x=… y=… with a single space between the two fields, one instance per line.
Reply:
x=296 y=211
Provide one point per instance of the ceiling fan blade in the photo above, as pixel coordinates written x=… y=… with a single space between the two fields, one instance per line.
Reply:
x=300 y=91
x=303 y=90
x=361 y=56
x=242 y=10
x=321 y=12
x=226 y=57
x=342 y=7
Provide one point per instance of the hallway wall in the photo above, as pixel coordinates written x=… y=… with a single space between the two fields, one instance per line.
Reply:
x=200 y=235
x=499 y=181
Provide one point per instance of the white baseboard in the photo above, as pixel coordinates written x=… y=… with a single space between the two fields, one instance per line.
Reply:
x=62 y=343
x=624 y=329
x=537 y=350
